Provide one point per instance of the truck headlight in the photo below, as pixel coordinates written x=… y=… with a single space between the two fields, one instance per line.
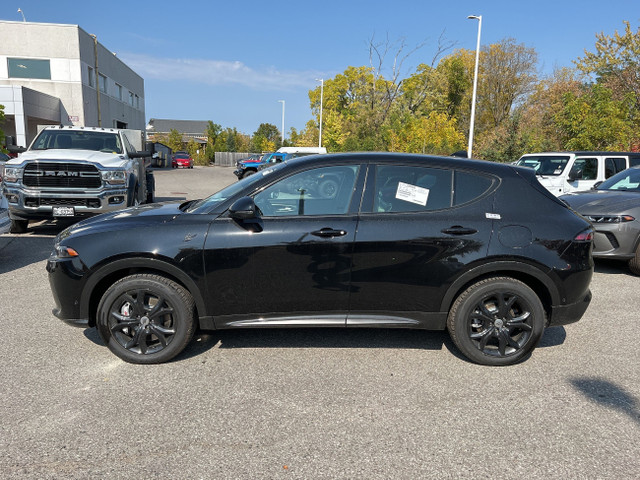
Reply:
x=115 y=177
x=12 y=174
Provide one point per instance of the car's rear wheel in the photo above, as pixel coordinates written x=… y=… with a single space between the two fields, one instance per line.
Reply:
x=497 y=321
x=19 y=226
x=634 y=263
x=146 y=318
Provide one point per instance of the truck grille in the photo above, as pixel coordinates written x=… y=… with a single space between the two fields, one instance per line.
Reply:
x=61 y=175
x=62 y=202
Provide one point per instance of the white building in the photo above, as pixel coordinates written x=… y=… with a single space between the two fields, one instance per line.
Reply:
x=48 y=76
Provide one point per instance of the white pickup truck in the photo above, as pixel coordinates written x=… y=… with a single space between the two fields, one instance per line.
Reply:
x=74 y=172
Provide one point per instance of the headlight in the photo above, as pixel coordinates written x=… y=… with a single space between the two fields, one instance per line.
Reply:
x=610 y=218
x=12 y=174
x=115 y=177
x=65 y=252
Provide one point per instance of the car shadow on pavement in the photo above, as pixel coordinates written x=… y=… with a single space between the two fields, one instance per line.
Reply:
x=318 y=338
x=608 y=394
x=612 y=267
x=552 y=337
x=18 y=252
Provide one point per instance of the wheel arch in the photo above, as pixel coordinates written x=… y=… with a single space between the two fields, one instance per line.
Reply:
x=531 y=276
x=106 y=276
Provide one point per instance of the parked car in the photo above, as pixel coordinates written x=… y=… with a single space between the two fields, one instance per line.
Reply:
x=565 y=172
x=613 y=207
x=183 y=160
x=246 y=167
x=349 y=240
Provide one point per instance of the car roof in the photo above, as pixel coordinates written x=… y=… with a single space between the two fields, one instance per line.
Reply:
x=427 y=160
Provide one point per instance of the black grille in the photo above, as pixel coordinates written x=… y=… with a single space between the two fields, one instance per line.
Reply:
x=62 y=202
x=61 y=175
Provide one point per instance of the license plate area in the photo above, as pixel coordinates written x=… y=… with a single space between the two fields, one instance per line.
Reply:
x=64 y=211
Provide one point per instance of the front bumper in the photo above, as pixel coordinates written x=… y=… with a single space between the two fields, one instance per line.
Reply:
x=65 y=277
x=616 y=241
x=25 y=203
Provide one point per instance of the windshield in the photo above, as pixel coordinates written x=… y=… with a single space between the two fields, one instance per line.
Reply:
x=107 y=142
x=208 y=204
x=545 y=164
x=628 y=180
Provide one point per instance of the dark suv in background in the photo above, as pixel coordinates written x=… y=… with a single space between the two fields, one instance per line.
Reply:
x=351 y=240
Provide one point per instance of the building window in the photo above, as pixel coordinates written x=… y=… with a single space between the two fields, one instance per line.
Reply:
x=29 y=68
x=92 y=78
x=103 y=83
x=119 y=91
x=137 y=101
x=131 y=99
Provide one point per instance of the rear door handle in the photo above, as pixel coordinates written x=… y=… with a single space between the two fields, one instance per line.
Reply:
x=458 y=230
x=329 y=232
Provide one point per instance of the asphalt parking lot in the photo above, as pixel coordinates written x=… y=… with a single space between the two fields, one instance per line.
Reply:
x=311 y=403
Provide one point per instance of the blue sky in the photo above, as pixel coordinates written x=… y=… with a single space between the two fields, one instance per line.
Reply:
x=230 y=62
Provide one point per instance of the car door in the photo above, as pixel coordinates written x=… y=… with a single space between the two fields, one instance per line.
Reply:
x=584 y=173
x=290 y=265
x=420 y=227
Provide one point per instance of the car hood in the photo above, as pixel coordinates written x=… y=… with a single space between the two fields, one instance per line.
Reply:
x=104 y=159
x=602 y=201
x=151 y=215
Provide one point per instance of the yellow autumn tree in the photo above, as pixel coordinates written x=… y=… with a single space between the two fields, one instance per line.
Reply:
x=434 y=134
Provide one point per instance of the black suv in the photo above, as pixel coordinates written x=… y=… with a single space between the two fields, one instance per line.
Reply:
x=351 y=240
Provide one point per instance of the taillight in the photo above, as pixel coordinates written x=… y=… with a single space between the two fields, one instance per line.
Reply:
x=586 y=236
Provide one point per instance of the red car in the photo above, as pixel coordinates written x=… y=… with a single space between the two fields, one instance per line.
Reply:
x=182 y=160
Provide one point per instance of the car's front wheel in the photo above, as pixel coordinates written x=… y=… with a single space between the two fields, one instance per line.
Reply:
x=497 y=321
x=634 y=263
x=146 y=318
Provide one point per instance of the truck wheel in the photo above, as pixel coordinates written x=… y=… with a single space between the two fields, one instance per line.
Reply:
x=151 y=187
x=19 y=226
x=134 y=201
x=247 y=173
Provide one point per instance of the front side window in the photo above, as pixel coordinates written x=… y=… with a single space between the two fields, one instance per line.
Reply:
x=585 y=168
x=29 y=68
x=320 y=191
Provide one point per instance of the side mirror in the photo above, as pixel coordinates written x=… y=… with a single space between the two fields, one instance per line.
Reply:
x=243 y=208
x=575 y=175
x=139 y=154
x=15 y=149
x=595 y=185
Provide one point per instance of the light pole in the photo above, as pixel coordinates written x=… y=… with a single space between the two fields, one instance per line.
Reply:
x=321 y=80
x=282 y=101
x=22 y=13
x=475 y=86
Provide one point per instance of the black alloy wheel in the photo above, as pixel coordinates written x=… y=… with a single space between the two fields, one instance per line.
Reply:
x=497 y=321
x=146 y=318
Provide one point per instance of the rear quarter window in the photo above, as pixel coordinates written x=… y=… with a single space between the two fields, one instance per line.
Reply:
x=469 y=186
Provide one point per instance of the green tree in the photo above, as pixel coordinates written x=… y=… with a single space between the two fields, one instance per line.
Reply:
x=213 y=131
x=434 y=134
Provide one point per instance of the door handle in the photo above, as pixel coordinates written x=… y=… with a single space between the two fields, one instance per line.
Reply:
x=329 y=232
x=458 y=230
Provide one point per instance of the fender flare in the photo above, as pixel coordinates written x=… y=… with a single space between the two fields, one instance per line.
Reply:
x=125 y=264
x=500 y=268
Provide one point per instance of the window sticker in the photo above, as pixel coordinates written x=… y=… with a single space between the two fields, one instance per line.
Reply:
x=412 y=193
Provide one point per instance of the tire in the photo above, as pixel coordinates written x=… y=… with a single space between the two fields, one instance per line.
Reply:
x=19 y=226
x=497 y=321
x=328 y=188
x=247 y=173
x=634 y=263
x=134 y=201
x=146 y=318
x=151 y=187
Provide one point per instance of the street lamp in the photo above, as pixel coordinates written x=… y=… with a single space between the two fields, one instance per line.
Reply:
x=475 y=86
x=22 y=13
x=282 y=101
x=321 y=80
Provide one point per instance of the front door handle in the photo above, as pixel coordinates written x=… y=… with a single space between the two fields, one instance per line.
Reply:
x=329 y=232
x=458 y=230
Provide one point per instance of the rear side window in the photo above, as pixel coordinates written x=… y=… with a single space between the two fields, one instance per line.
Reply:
x=613 y=165
x=469 y=186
